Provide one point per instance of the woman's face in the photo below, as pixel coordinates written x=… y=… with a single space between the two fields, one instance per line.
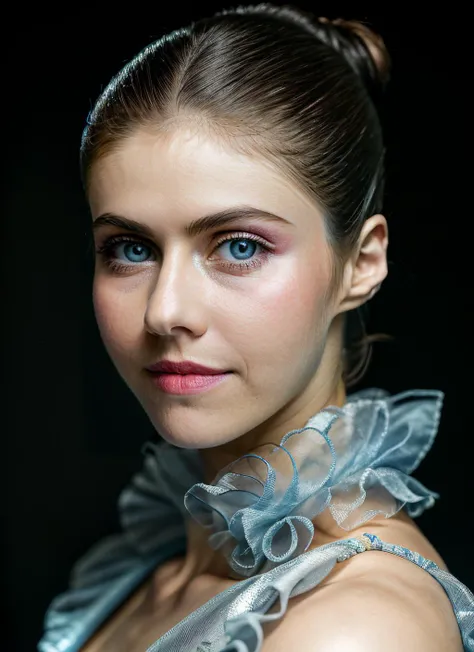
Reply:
x=255 y=305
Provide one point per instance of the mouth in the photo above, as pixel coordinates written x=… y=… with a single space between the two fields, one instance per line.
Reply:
x=184 y=367
x=182 y=384
x=190 y=373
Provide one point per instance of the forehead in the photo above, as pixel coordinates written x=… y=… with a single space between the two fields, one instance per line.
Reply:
x=190 y=173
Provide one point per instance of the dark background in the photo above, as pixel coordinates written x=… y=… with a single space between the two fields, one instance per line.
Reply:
x=72 y=429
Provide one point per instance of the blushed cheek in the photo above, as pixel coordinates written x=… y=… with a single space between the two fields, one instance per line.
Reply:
x=282 y=323
x=113 y=321
x=298 y=295
x=296 y=311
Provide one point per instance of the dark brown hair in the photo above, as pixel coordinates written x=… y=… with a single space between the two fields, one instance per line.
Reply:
x=275 y=82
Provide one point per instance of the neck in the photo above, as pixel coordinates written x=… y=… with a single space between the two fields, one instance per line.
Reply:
x=215 y=459
x=199 y=556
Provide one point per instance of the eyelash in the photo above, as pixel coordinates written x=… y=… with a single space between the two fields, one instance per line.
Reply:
x=106 y=250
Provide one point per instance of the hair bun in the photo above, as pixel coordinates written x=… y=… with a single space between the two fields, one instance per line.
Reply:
x=362 y=48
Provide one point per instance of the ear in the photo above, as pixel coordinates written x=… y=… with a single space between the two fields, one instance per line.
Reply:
x=366 y=269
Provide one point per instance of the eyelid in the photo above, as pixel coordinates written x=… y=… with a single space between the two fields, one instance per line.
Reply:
x=130 y=237
x=226 y=235
x=234 y=235
x=119 y=238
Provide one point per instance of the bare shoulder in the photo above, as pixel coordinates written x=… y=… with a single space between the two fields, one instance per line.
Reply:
x=366 y=616
x=373 y=601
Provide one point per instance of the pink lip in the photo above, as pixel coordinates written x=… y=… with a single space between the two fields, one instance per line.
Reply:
x=184 y=367
x=187 y=383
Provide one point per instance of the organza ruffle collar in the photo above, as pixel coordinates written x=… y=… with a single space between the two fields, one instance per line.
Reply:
x=354 y=461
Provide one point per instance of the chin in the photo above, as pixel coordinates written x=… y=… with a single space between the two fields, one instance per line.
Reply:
x=186 y=438
x=186 y=442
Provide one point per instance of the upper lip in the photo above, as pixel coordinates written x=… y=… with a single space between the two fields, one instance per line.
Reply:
x=184 y=367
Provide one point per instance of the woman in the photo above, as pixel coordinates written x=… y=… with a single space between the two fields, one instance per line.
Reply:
x=234 y=171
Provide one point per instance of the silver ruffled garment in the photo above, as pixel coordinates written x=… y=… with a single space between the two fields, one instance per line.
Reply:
x=353 y=461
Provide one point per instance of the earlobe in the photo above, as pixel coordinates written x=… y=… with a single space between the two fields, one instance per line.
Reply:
x=356 y=297
x=368 y=268
x=374 y=290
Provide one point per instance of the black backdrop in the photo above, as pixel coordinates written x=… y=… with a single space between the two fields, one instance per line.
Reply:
x=72 y=429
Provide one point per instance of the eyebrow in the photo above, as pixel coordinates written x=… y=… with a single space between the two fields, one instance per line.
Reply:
x=194 y=228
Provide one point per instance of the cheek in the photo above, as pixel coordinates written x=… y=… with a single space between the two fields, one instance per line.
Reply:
x=118 y=323
x=278 y=320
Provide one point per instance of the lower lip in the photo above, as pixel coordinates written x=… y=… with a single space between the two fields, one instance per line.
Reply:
x=187 y=383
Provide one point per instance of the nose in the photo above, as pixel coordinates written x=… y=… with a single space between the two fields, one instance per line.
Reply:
x=177 y=300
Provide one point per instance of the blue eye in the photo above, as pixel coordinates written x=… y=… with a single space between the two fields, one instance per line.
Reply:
x=135 y=252
x=135 y=249
x=243 y=247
